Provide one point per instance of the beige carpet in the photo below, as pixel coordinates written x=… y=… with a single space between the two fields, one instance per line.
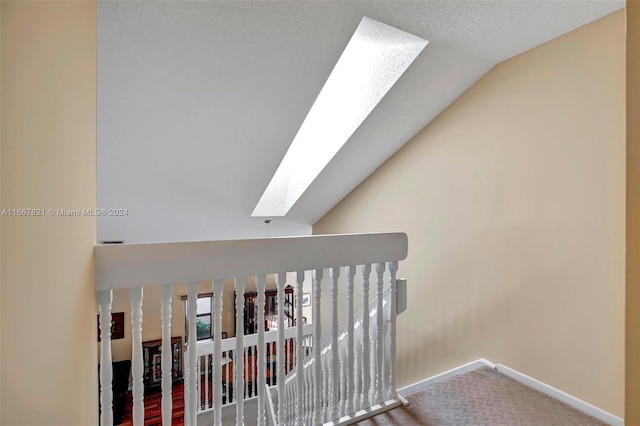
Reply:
x=482 y=397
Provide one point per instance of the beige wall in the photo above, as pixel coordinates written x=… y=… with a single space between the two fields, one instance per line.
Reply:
x=48 y=322
x=632 y=413
x=514 y=203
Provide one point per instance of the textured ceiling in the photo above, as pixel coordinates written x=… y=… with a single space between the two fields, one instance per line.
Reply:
x=199 y=101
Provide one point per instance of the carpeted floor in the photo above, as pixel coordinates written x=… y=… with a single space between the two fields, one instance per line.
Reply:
x=482 y=397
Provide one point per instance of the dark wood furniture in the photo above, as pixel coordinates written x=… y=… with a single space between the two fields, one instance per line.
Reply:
x=152 y=355
x=121 y=371
x=270 y=308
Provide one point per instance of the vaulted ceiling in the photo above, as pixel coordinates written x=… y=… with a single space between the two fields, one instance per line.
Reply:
x=199 y=101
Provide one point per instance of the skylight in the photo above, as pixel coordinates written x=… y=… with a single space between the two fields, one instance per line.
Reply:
x=374 y=59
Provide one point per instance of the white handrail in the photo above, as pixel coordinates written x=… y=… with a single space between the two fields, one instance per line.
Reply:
x=134 y=265
x=205 y=347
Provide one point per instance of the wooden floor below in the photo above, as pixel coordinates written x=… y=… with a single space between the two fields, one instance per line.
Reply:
x=153 y=408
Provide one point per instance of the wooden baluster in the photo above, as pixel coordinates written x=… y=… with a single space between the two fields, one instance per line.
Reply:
x=167 y=354
x=343 y=381
x=366 y=342
x=335 y=362
x=358 y=374
x=199 y=399
x=385 y=358
x=246 y=368
x=137 y=365
x=238 y=381
x=306 y=396
x=393 y=268
x=309 y=376
x=186 y=398
x=268 y=365
x=317 y=347
x=287 y=401
x=294 y=398
x=310 y=398
x=192 y=308
x=351 y=273
x=218 y=289
x=387 y=339
x=386 y=372
x=104 y=299
x=290 y=401
x=379 y=396
x=232 y=359
x=327 y=386
x=305 y=407
x=280 y=351
x=299 y=351
x=206 y=381
x=261 y=283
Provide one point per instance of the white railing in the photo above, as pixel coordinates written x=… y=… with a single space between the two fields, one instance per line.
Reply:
x=356 y=398
x=132 y=266
x=245 y=386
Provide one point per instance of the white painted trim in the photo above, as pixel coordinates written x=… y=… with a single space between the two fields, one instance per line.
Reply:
x=269 y=403
x=570 y=400
x=134 y=265
x=366 y=414
x=205 y=347
x=403 y=400
x=446 y=375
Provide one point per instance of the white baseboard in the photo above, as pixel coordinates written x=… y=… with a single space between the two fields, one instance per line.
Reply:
x=446 y=375
x=366 y=414
x=572 y=401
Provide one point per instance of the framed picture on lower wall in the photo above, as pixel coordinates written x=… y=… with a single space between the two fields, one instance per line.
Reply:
x=117 y=326
x=306 y=299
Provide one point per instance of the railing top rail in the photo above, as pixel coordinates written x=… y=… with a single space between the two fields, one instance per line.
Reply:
x=205 y=347
x=132 y=265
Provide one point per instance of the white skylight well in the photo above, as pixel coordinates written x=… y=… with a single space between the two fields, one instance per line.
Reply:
x=374 y=59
